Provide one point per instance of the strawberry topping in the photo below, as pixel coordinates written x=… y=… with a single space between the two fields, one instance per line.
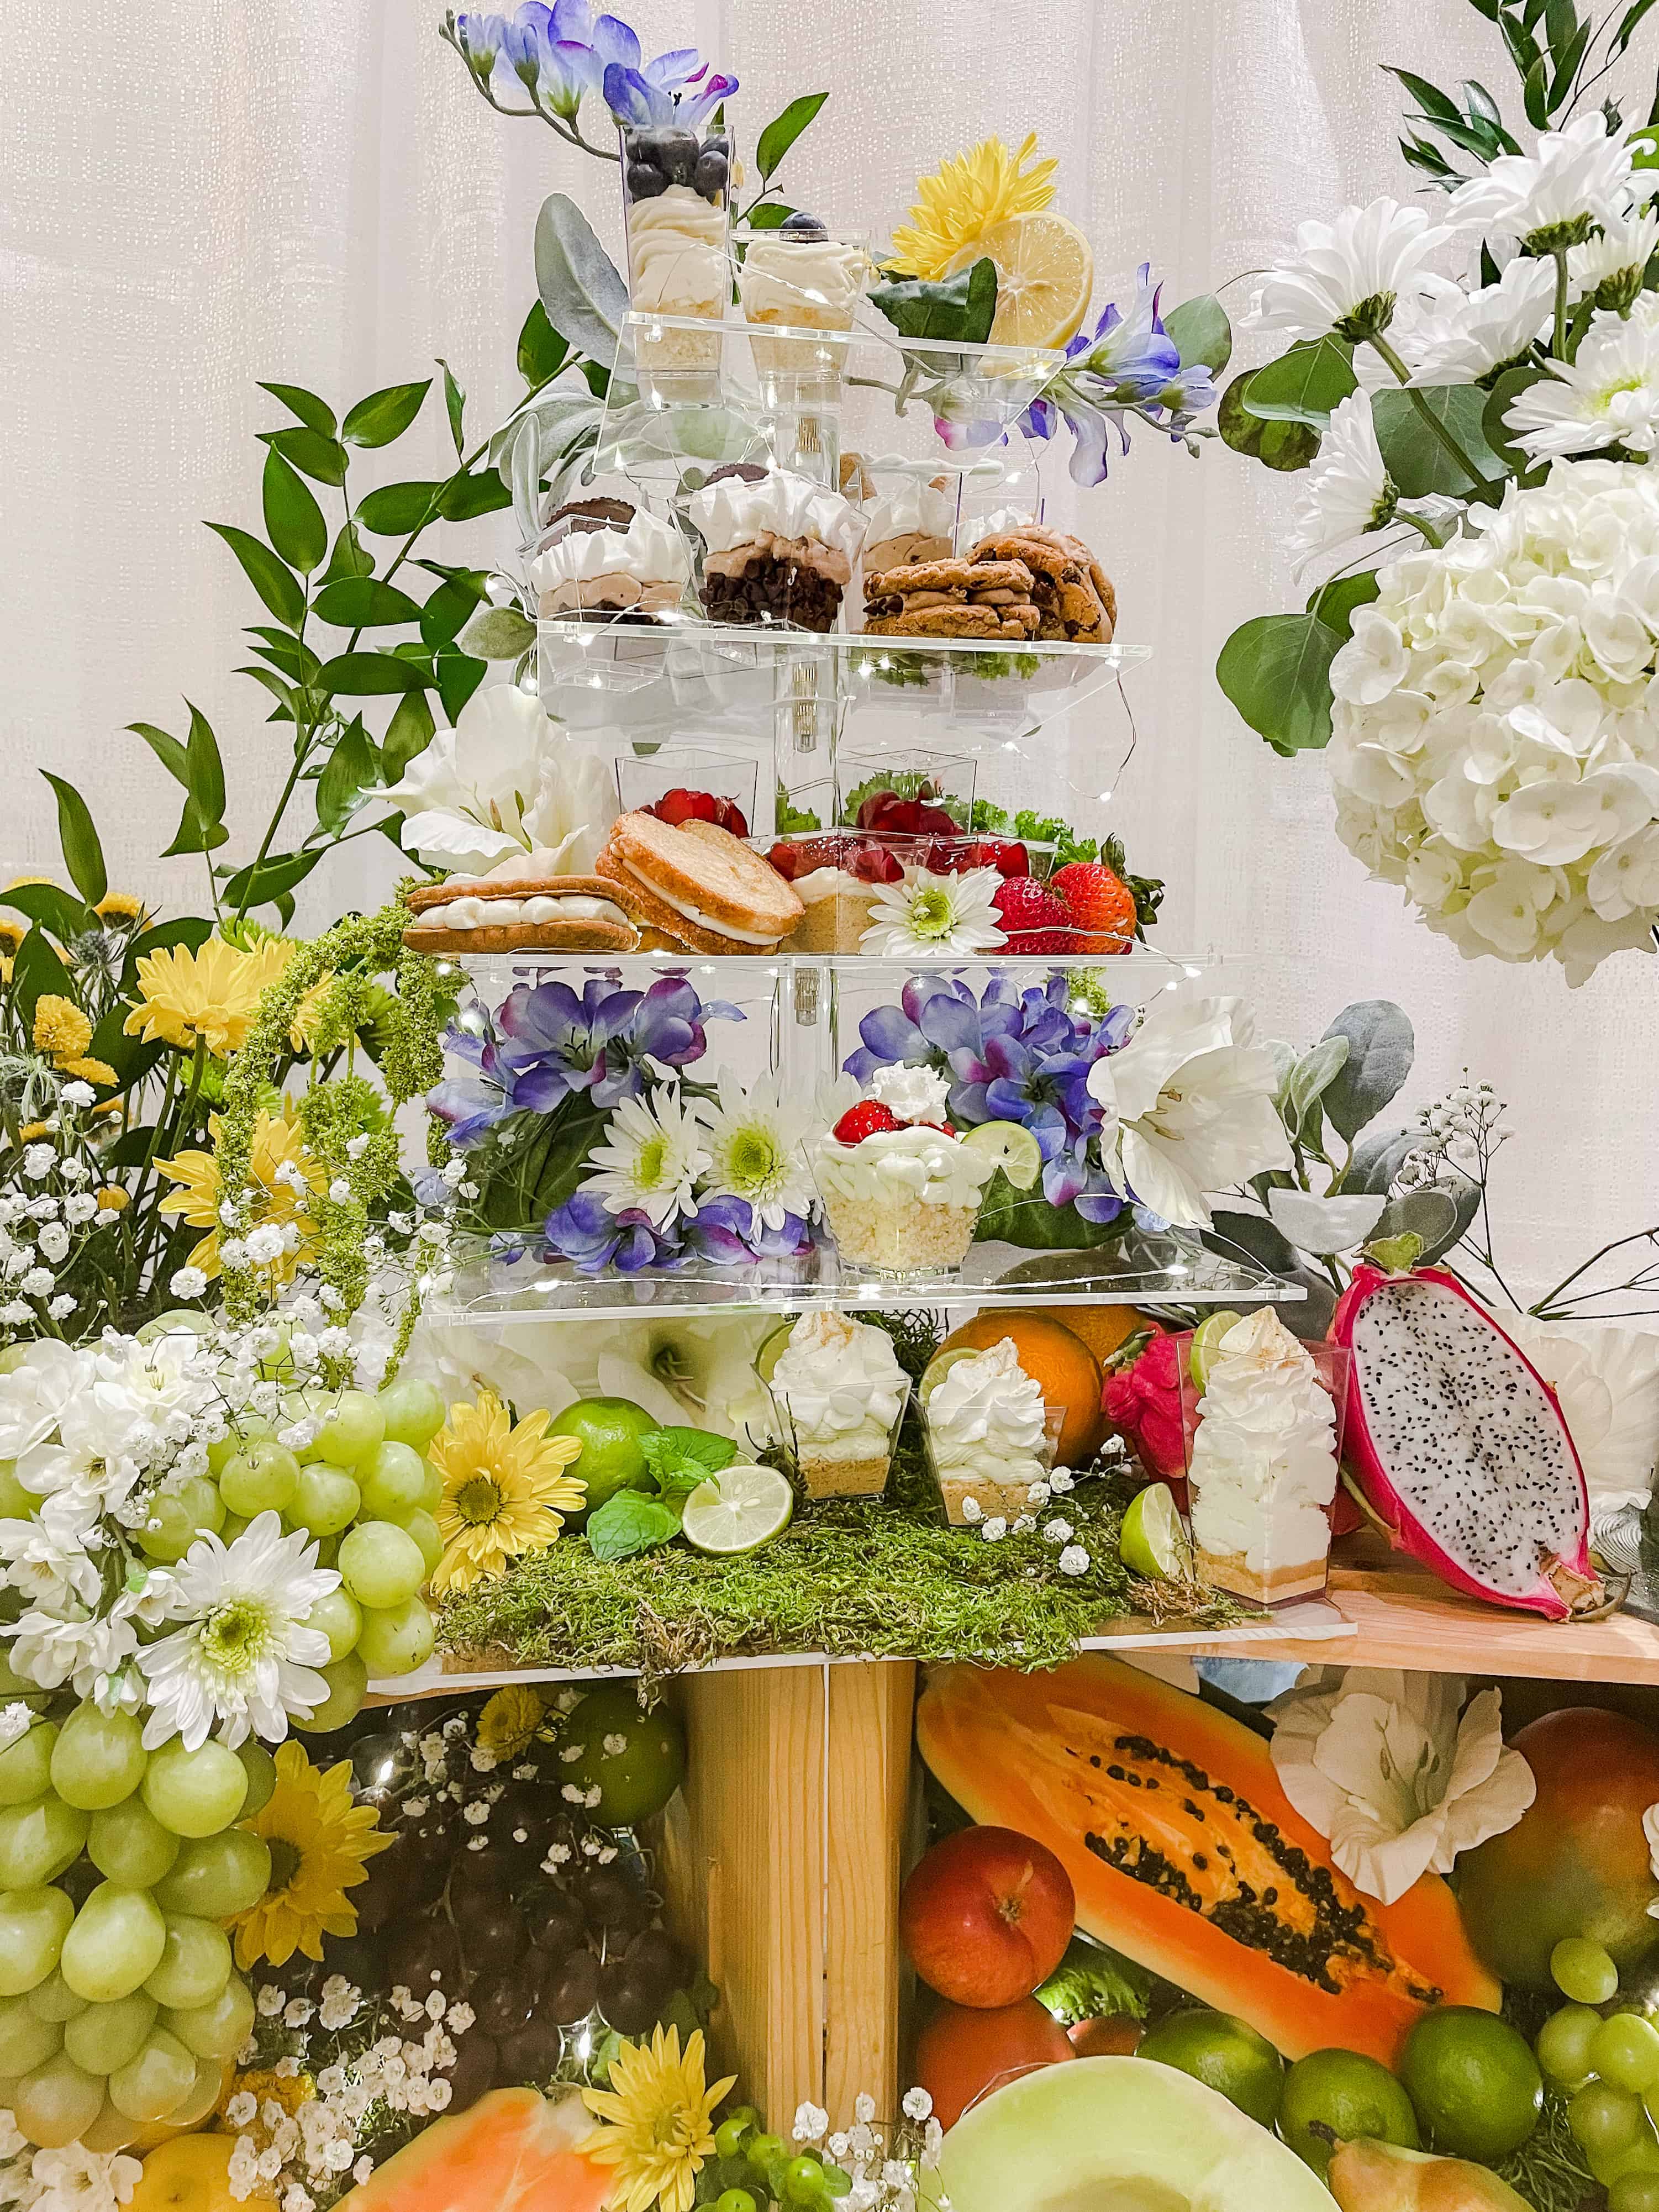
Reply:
x=680 y=805
x=1033 y=918
x=869 y=1118
x=1100 y=904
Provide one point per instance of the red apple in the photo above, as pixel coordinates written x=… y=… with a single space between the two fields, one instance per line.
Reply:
x=962 y=2054
x=985 y=1916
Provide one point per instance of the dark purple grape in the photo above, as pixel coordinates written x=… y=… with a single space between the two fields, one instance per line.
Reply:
x=555 y=1924
x=645 y=181
x=717 y=143
x=505 y=2005
x=400 y=1882
x=656 y=1955
x=709 y=177
x=573 y=1989
x=474 y=2070
x=628 y=2003
x=533 y=2054
x=493 y=1936
x=423 y=1956
x=476 y=1875
x=361 y=1957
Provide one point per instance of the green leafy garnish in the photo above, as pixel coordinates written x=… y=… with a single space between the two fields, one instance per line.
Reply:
x=959 y=309
x=631 y=1522
x=680 y=1459
x=793 y=820
x=1091 y=1983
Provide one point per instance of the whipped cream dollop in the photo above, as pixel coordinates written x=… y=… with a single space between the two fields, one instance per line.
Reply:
x=910 y=1094
x=815 y=282
x=1263 y=1466
x=477 y=912
x=839 y=1386
x=677 y=254
x=910 y=507
x=732 y=513
x=649 y=550
x=1000 y=521
x=987 y=1420
x=917 y=1163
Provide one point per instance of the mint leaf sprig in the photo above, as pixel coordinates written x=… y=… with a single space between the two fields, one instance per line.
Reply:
x=634 y=1520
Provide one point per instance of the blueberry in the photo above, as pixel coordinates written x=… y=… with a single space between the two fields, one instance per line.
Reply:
x=677 y=156
x=709 y=177
x=801 y=225
x=645 y=181
x=717 y=143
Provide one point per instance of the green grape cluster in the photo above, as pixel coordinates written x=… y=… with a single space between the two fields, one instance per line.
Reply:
x=363 y=1489
x=1607 y=2064
x=753 y=2168
x=119 y=2003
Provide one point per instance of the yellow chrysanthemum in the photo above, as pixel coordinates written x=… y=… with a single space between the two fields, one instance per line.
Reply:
x=12 y=934
x=662 y=2122
x=60 y=1028
x=508 y=1723
x=505 y=1490
x=119 y=906
x=288 y=2092
x=183 y=995
x=112 y=1199
x=89 y=1071
x=276 y=1144
x=966 y=196
x=31 y=1132
x=20 y=883
x=320 y=1846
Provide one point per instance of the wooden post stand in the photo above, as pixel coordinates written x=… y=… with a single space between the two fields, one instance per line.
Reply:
x=781 y=1863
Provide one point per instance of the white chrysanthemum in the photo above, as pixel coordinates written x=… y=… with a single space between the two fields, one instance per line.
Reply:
x=1489 y=329
x=1348 y=273
x=1577 y=177
x=245 y=1659
x=651 y=1159
x=1609 y=395
x=929 y=913
x=754 y=1151
x=1347 y=489
x=1617 y=256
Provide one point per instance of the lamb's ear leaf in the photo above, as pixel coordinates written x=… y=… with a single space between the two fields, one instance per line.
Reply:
x=1312 y=1077
x=1430 y=1215
x=1377 y=1158
x=583 y=296
x=1380 y=1049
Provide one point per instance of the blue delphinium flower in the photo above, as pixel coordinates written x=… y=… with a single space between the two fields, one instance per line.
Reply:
x=582 y=1232
x=676 y=89
x=562 y=53
x=473 y=1104
x=1129 y=365
x=555 y=1044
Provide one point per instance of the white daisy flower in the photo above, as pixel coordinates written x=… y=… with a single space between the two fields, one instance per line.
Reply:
x=652 y=1158
x=929 y=913
x=1492 y=328
x=1348 y=273
x=1578 y=177
x=1609 y=394
x=1617 y=256
x=246 y=1659
x=1348 y=489
x=754 y=1140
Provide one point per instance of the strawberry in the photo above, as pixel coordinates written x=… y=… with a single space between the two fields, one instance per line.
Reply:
x=886 y=813
x=801 y=856
x=870 y=862
x=1099 y=903
x=954 y=856
x=1033 y=920
x=869 y=1118
x=680 y=805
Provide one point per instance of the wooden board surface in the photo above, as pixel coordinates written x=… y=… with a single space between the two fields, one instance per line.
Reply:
x=867 y=1796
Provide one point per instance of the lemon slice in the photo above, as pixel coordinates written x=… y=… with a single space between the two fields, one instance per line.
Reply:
x=1045 y=273
x=1153 y=1540
x=1013 y=1148
x=1206 y=1337
x=738 y=1510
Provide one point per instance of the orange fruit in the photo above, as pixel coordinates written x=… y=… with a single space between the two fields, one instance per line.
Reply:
x=1057 y=1358
x=1104 y=1329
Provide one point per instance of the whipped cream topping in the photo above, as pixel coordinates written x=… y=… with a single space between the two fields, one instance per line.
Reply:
x=815 y=282
x=695 y=914
x=478 y=912
x=910 y=1094
x=987 y=1421
x=649 y=550
x=999 y=522
x=910 y=507
x=839 y=1386
x=1263 y=1466
x=733 y=513
x=918 y=1164
x=677 y=254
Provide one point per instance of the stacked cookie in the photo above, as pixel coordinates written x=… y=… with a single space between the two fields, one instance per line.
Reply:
x=956 y=598
x=1072 y=594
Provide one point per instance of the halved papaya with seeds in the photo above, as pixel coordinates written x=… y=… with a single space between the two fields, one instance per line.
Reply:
x=1187 y=1855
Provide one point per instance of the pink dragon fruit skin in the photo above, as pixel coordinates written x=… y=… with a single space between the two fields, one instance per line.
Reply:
x=1460 y=1447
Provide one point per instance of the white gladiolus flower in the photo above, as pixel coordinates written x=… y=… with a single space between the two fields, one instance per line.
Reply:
x=1608 y=396
x=1348 y=273
x=1347 y=489
x=1578 y=177
x=1607 y=1381
x=1489 y=329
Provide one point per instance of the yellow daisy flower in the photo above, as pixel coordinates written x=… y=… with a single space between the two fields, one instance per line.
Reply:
x=662 y=2119
x=505 y=1491
x=112 y=1199
x=320 y=1846
x=119 y=906
x=12 y=934
x=89 y=1071
x=286 y=2091
x=60 y=1028
x=966 y=196
x=184 y=995
x=271 y=957
x=20 y=883
x=276 y=1144
x=508 y=1723
x=31 y=1132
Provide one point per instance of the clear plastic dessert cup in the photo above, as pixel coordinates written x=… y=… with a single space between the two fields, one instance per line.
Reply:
x=677 y=213
x=855 y=1465
x=796 y=283
x=838 y=876
x=904 y=1203
x=972 y=1495
x=1255 y=1544
x=680 y=782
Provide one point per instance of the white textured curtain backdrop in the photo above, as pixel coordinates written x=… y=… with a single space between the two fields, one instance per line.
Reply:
x=313 y=193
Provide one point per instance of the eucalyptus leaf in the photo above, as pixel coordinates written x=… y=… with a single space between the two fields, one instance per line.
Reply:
x=1202 y=333
x=1312 y=1076
x=1276 y=671
x=1284 y=446
x=1337 y=602
x=580 y=290
x=1429 y=1215
x=1304 y=384
x=1499 y=402
x=77 y=834
x=498 y=634
x=1415 y=458
x=1380 y=1049
x=1378 y=1157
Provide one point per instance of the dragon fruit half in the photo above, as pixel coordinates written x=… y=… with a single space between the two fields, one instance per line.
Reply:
x=1459 y=1445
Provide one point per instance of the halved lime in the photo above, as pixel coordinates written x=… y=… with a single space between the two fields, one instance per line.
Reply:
x=770 y=1349
x=1153 y=1540
x=1206 y=1337
x=738 y=1510
x=1013 y=1148
x=940 y=1366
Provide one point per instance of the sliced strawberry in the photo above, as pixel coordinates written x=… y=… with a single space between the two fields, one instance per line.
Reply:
x=869 y=1118
x=680 y=805
x=1100 y=904
x=1033 y=921
x=869 y=862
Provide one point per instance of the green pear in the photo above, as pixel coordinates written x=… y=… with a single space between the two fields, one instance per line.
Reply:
x=1381 y=2176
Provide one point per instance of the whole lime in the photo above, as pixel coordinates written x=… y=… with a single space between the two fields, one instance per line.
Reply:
x=1475 y=2083
x=634 y=1759
x=611 y=1432
x=1225 y=2053
x=1348 y=2094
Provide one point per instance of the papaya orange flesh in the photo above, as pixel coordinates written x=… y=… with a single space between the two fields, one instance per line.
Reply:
x=514 y=2151
x=1186 y=1855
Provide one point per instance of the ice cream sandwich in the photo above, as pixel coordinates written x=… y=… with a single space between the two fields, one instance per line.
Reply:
x=698 y=885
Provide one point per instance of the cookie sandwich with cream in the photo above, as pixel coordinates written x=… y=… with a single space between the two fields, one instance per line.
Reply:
x=698 y=885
